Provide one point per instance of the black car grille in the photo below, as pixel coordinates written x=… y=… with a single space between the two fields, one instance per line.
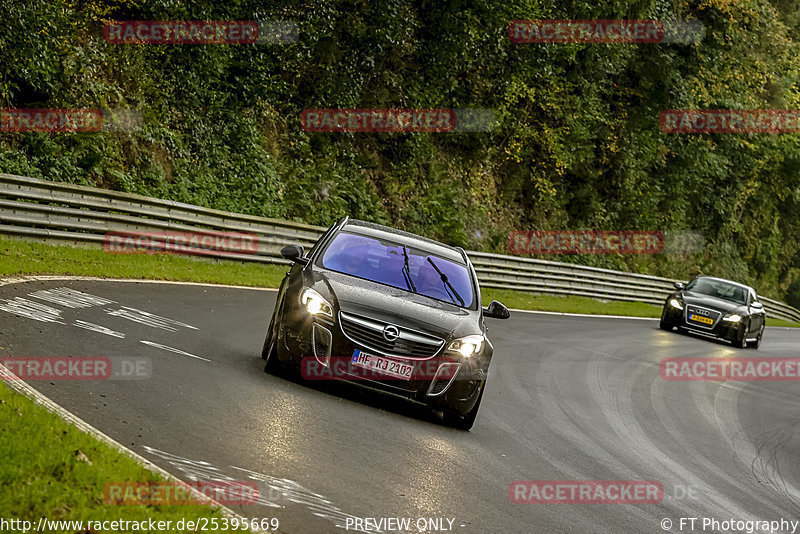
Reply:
x=701 y=312
x=368 y=333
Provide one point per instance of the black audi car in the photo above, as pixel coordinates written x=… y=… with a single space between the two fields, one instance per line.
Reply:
x=716 y=307
x=389 y=310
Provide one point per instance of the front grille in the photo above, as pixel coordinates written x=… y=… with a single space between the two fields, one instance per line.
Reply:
x=368 y=333
x=702 y=312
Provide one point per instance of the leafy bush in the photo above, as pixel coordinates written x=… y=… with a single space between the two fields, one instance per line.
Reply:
x=577 y=144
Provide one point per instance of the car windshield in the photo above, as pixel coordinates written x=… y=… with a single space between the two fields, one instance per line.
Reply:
x=397 y=265
x=719 y=289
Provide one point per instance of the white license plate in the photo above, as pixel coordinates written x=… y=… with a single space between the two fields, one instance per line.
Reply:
x=384 y=366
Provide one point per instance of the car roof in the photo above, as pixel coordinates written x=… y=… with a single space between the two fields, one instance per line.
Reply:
x=413 y=240
x=725 y=280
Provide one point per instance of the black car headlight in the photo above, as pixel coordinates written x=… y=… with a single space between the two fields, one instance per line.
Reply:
x=468 y=346
x=676 y=303
x=732 y=318
x=315 y=304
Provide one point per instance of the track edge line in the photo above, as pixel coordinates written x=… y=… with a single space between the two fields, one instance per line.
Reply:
x=23 y=388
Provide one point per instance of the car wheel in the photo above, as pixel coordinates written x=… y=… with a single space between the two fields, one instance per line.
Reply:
x=464 y=422
x=268 y=339
x=662 y=324
x=267 y=345
x=757 y=344
x=741 y=343
x=270 y=354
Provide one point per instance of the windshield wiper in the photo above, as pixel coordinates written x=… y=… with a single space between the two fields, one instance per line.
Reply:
x=447 y=283
x=407 y=272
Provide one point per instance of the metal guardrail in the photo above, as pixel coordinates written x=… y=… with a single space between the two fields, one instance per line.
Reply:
x=55 y=211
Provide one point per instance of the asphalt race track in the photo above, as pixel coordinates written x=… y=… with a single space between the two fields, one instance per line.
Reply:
x=568 y=398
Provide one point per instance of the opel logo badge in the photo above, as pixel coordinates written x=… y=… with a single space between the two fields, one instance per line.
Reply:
x=390 y=333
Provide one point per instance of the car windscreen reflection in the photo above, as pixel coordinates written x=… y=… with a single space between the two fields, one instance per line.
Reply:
x=401 y=267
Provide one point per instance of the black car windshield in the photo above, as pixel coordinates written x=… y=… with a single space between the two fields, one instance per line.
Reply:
x=397 y=265
x=719 y=289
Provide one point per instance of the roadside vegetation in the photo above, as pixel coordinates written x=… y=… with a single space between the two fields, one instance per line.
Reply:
x=53 y=470
x=577 y=144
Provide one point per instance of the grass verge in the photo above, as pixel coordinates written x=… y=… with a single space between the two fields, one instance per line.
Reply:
x=53 y=470
x=18 y=257
x=528 y=301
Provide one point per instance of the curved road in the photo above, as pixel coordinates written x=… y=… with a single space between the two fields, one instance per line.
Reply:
x=568 y=398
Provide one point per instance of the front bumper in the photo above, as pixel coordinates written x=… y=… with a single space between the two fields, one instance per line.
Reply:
x=444 y=380
x=719 y=329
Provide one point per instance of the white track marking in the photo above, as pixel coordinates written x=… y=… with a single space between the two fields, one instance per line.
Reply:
x=24 y=389
x=149 y=319
x=171 y=349
x=70 y=298
x=57 y=278
x=45 y=278
x=31 y=310
x=98 y=328
x=280 y=491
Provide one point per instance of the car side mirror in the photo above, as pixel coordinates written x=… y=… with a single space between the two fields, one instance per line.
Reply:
x=757 y=306
x=497 y=310
x=678 y=285
x=294 y=253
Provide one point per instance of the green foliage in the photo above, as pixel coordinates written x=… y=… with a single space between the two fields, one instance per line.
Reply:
x=577 y=146
x=53 y=469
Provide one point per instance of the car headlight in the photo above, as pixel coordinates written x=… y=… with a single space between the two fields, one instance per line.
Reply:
x=467 y=346
x=315 y=304
x=675 y=303
x=732 y=318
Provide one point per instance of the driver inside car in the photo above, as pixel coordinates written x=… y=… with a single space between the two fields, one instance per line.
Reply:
x=353 y=260
x=428 y=281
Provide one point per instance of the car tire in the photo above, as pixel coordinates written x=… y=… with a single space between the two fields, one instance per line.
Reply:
x=662 y=324
x=270 y=354
x=464 y=422
x=268 y=339
x=741 y=343
x=266 y=349
x=757 y=344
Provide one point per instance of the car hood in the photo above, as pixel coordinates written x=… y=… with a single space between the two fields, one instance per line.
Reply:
x=393 y=305
x=714 y=303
